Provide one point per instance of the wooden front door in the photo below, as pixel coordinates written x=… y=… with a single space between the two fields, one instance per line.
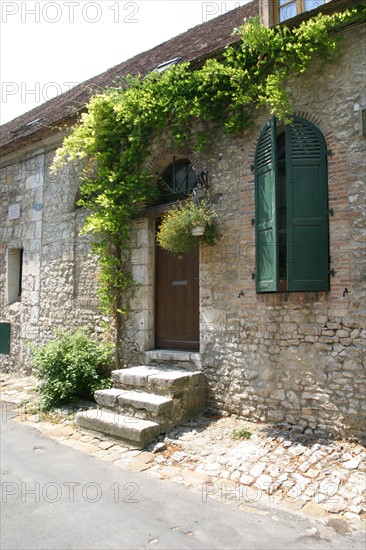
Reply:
x=177 y=300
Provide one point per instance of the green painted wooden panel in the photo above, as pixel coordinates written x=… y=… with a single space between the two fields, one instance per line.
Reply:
x=5 y=338
x=266 y=210
x=307 y=208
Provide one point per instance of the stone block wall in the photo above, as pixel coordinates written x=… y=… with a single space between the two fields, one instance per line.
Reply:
x=294 y=357
x=59 y=271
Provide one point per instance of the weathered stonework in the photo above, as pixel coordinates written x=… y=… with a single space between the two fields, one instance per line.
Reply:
x=59 y=277
x=294 y=357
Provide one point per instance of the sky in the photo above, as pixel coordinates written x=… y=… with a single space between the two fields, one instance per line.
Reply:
x=49 y=46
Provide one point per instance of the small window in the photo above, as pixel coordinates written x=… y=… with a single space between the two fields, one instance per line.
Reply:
x=177 y=181
x=14 y=274
x=286 y=9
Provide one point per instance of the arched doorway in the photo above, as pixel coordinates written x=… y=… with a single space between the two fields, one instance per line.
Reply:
x=177 y=276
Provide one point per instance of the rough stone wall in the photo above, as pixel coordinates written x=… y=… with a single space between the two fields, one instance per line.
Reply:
x=59 y=272
x=21 y=183
x=295 y=357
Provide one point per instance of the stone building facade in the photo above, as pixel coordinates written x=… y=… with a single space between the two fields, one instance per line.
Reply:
x=58 y=272
x=275 y=356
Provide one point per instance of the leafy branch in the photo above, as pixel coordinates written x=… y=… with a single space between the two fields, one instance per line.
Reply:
x=116 y=132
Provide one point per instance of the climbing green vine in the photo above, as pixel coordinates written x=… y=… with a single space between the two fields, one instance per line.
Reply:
x=114 y=135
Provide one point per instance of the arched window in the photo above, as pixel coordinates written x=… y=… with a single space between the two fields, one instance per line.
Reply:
x=291 y=201
x=177 y=181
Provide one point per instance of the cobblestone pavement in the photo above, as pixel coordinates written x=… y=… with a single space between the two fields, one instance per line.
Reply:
x=325 y=479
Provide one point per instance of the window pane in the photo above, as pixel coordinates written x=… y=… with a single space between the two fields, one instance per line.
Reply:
x=287 y=12
x=177 y=181
x=14 y=274
x=311 y=4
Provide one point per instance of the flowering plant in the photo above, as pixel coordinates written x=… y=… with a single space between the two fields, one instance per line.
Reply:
x=175 y=231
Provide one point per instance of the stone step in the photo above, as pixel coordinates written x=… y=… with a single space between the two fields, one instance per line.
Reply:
x=128 y=428
x=116 y=398
x=162 y=380
x=174 y=358
x=135 y=376
x=146 y=401
x=170 y=380
x=107 y=398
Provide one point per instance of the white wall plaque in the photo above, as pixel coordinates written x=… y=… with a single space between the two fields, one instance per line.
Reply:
x=14 y=212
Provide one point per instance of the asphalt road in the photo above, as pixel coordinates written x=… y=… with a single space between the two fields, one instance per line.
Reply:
x=53 y=497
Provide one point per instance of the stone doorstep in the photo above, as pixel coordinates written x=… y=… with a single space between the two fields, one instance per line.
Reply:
x=124 y=427
x=128 y=397
x=134 y=376
x=193 y=359
x=149 y=401
x=163 y=378
x=115 y=397
x=107 y=398
x=170 y=380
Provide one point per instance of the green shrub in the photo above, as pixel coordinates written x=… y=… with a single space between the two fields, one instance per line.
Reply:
x=71 y=366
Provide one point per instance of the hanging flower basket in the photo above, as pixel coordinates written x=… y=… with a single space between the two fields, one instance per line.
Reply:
x=198 y=231
x=178 y=231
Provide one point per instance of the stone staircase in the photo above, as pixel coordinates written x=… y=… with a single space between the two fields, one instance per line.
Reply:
x=144 y=402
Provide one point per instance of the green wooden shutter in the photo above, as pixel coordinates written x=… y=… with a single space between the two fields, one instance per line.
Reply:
x=266 y=209
x=5 y=338
x=307 y=207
